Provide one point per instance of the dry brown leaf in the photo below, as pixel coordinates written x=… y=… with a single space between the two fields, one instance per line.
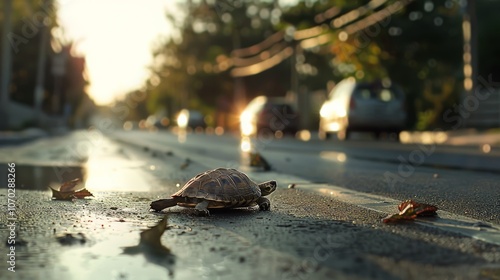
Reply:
x=62 y=195
x=69 y=185
x=409 y=210
x=83 y=193
x=258 y=160
x=67 y=191
x=406 y=214
x=421 y=209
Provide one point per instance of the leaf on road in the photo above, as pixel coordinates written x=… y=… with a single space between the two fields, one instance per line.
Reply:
x=69 y=185
x=409 y=210
x=421 y=209
x=185 y=164
x=257 y=160
x=82 y=193
x=69 y=191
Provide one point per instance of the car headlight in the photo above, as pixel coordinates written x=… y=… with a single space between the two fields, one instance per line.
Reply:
x=324 y=111
x=182 y=119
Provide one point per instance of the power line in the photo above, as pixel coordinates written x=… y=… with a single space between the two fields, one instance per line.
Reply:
x=273 y=50
x=356 y=13
x=262 y=65
x=257 y=48
x=376 y=17
x=263 y=59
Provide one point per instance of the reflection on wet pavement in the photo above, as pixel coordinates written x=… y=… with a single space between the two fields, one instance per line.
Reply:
x=31 y=177
x=151 y=247
x=334 y=156
x=246 y=144
x=249 y=155
x=99 y=162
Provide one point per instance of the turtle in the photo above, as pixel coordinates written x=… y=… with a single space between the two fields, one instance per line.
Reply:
x=219 y=188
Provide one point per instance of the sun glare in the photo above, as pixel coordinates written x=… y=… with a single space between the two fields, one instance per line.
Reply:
x=116 y=37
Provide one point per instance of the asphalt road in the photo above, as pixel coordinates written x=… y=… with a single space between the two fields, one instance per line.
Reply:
x=306 y=235
x=460 y=179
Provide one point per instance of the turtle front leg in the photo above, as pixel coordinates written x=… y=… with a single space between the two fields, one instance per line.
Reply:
x=161 y=204
x=201 y=208
x=264 y=203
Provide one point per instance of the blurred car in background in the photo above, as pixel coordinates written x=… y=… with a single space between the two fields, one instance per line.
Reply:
x=162 y=123
x=265 y=115
x=191 y=119
x=355 y=106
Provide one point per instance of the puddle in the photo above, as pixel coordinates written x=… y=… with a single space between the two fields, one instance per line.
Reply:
x=97 y=175
x=29 y=177
x=107 y=260
x=122 y=257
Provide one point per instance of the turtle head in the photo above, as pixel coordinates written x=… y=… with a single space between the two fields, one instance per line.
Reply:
x=268 y=187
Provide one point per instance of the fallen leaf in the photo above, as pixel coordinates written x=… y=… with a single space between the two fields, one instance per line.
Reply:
x=82 y=193
x=257 y=160
x=409 y=210
x=67 y=191
x=69 y=185
x=406 y=214
x=185 y=164
x=421 y=209
x=62 y=195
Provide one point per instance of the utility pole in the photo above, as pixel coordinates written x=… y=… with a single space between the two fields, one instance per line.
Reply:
x=40 y=73
x=6 y=61
x=469 y=28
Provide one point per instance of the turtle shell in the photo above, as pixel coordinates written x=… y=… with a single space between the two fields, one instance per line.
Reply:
x=222 y=187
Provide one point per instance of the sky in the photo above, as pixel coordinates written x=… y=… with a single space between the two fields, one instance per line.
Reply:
x=116 y=37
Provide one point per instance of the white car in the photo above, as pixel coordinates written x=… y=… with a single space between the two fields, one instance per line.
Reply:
x=356 y=106
x=265 y=115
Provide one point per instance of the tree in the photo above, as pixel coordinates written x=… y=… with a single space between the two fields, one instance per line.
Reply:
x=191 y=69
x=417 y=46
x=488 y=38
x=30 y=20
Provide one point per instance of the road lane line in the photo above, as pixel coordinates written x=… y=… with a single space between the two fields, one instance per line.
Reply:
x=446 y=221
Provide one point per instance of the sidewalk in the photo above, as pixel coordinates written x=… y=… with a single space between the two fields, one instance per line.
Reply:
x=464 y=137
x=473 y=137
x=20 y=137
x=469 y=137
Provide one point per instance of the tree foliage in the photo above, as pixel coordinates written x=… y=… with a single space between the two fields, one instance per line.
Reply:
x=31 y=19
x=24 y=43
x=419 y=47
x=187 y=69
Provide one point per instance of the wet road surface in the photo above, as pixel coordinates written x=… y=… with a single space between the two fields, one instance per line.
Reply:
x=370 y=167
x=304 y=236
